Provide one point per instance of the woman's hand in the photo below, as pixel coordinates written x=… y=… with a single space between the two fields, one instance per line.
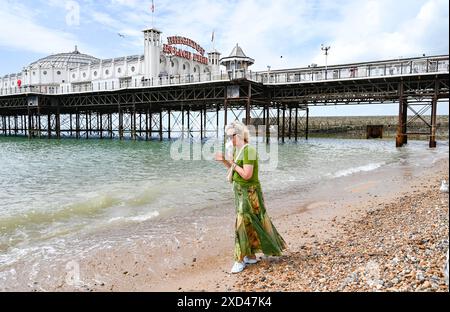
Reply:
x=220 y=157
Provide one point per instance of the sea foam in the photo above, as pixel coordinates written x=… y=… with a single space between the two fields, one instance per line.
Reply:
x=350 y=171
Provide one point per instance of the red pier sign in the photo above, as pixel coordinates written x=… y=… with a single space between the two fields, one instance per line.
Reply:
x=177 y=40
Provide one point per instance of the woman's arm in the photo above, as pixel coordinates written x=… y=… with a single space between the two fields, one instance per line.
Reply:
x=220 y=157
x=246 y=173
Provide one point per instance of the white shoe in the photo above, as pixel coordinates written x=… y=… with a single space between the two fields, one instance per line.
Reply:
x=238 y=267
x=248 y=260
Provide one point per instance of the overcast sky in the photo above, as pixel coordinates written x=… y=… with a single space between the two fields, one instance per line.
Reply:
x=282 y=33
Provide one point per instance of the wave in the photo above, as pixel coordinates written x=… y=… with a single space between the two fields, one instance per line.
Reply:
x=86 y=208
x=139 y=218
x=350 y=171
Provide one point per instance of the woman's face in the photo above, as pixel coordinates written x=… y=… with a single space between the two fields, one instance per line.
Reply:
x=233 y=139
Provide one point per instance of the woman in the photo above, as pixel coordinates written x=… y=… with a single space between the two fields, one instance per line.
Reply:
x=254 y=230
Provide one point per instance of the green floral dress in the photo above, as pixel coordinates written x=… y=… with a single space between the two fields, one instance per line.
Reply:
x=254 y=229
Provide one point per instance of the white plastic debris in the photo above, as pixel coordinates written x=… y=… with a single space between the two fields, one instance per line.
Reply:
x=444 y=187
x=446 y=270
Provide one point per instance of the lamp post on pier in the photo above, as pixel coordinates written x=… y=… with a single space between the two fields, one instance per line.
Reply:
x=323 y=48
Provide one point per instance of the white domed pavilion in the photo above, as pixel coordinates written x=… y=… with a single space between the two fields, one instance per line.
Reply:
x=53 y=70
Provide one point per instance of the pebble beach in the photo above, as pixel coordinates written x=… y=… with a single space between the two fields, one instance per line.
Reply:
x=401 y=246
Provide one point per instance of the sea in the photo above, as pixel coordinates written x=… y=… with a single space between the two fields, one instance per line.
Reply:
x=53 y=191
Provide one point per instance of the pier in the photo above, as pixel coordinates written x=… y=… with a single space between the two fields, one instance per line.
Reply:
x=201 y=106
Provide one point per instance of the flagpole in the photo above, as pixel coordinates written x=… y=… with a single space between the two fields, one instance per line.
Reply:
x=153 y=14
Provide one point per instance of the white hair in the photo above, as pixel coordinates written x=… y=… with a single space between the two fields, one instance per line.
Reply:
x=238 y=128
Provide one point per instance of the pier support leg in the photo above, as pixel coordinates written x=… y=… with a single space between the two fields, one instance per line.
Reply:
x=225 y=111
x=15 y=125
x=290 y=122
x=101 y=125
x=307 y=124
x=30 y=124
x=97 y=121
x=87 y=124
x=168 y=125
x=182 y=122
x=405 y=122
x=140 y=123
x=146 y=124
x=217 y=121
x=401 y=138
x=70 y=124
x=120 y=124
x=77 y=125
x=58 y=124
x=110 y=127
x=201 y=123
x=38 y=122
x=278 y=121
x=49 y=125
x=264 y=115
x=4 y=125
x=150 y=127
x=267 y=122
x=402 y=112
x=248 y=106
x=284 y=122
x=296 y=124
x=24 y=123
x=205 y=123
x=160 y=126
x=189 y=122
x=30 y=127
x=133 y=123
x=433 y=123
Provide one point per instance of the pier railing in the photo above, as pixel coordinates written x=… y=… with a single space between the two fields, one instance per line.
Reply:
x=313 y=73
x=117 y=84
x=401 y=67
